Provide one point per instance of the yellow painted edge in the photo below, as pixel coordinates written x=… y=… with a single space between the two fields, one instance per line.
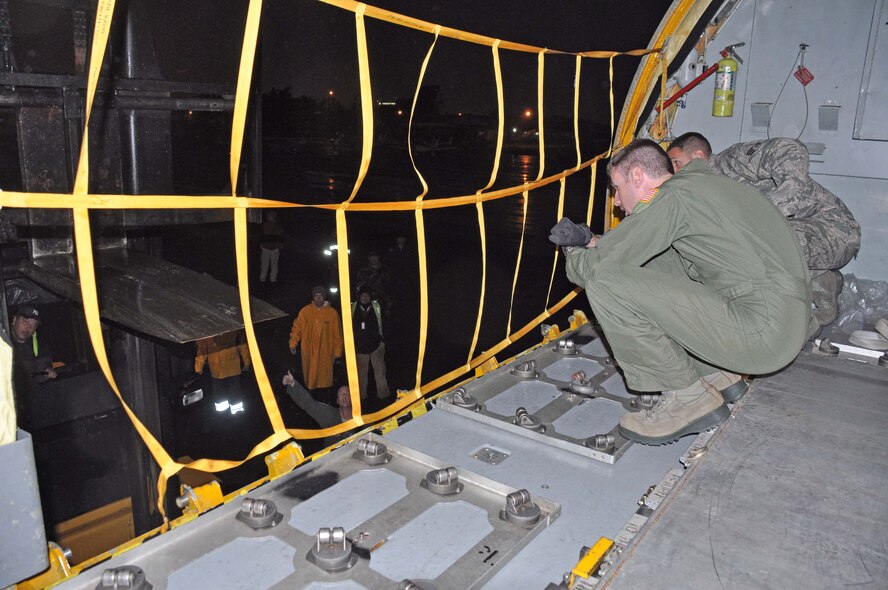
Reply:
x=593 y=558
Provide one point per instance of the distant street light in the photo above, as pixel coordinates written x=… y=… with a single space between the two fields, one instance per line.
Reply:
x=330 y=92
x=528 y=113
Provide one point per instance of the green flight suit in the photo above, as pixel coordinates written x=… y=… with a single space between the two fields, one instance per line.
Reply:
x=706 y=275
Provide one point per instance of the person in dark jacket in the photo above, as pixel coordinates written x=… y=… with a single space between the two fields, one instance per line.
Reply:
x=326 y=416
x=32 y=357
x=377 y=277
x=369 y=341
x=270 y=242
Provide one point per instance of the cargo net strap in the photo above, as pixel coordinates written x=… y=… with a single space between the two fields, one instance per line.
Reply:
x=81 y=202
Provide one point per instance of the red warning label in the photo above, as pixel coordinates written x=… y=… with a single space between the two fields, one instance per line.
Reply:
x=804 y=75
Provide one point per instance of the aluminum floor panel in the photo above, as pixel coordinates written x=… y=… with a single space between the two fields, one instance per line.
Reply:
x=793 y=492
x=399 y=527
x=579 y=416
x=597 y=499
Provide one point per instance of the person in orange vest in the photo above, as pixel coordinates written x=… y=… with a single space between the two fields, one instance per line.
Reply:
x=227 y=356
x=318 y=329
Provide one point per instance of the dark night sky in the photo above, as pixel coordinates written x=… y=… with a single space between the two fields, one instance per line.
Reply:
x=310 y=47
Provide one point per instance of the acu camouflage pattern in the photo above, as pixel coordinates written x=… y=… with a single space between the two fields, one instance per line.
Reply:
x=778 y=168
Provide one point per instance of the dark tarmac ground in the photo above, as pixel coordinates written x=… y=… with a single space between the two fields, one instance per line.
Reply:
x=454 y=265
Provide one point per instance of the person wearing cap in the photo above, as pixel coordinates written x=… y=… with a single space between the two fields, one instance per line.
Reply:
x=318 y=330
x=369 y=342
x=31 y=355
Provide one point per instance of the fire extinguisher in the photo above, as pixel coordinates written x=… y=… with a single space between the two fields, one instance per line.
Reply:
x=725 y=78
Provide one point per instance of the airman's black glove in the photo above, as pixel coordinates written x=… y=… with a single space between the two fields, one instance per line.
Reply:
x=568 y=233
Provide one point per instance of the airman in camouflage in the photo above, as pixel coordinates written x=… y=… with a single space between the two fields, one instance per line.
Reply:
x=778 y=168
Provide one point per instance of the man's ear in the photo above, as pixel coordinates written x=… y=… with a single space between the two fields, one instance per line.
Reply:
x=636 y=175
x=699 y=154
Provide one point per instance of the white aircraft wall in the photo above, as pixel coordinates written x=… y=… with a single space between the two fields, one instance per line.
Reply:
x=838 y=35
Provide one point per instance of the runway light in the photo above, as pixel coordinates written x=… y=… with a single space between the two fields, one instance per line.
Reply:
x=222 y=406
x=328 y=253
x=334 y=289
x=235 y=408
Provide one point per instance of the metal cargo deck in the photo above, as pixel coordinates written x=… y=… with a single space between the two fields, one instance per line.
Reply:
x=793 y=492
x=790 y=491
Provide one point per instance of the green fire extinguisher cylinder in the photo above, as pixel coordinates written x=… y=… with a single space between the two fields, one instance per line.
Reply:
x=725 y=78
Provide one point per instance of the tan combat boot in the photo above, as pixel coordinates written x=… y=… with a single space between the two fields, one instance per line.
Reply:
x=731 y=385
x=825 y=290
x=676 y=414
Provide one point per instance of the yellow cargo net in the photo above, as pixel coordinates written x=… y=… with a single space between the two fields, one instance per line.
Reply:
x=81 y=202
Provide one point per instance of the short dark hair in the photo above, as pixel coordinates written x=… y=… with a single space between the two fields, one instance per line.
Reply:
x=692 y=142
x=644 y=153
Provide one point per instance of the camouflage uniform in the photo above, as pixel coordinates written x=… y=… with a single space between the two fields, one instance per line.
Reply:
x=778 y=168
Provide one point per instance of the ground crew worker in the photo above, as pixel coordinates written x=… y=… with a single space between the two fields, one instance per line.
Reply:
x=318 y=329
x=727 y=289
x=31 y=355
x=778 y=168
x=227 y=356
x=326 y=416
x=270 y=242
x=369 y=342
x=376 y=276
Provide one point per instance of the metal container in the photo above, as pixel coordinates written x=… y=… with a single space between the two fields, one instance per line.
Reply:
x=23 y=539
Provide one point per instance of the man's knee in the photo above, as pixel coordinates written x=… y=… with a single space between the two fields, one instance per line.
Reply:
x=826 y=245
